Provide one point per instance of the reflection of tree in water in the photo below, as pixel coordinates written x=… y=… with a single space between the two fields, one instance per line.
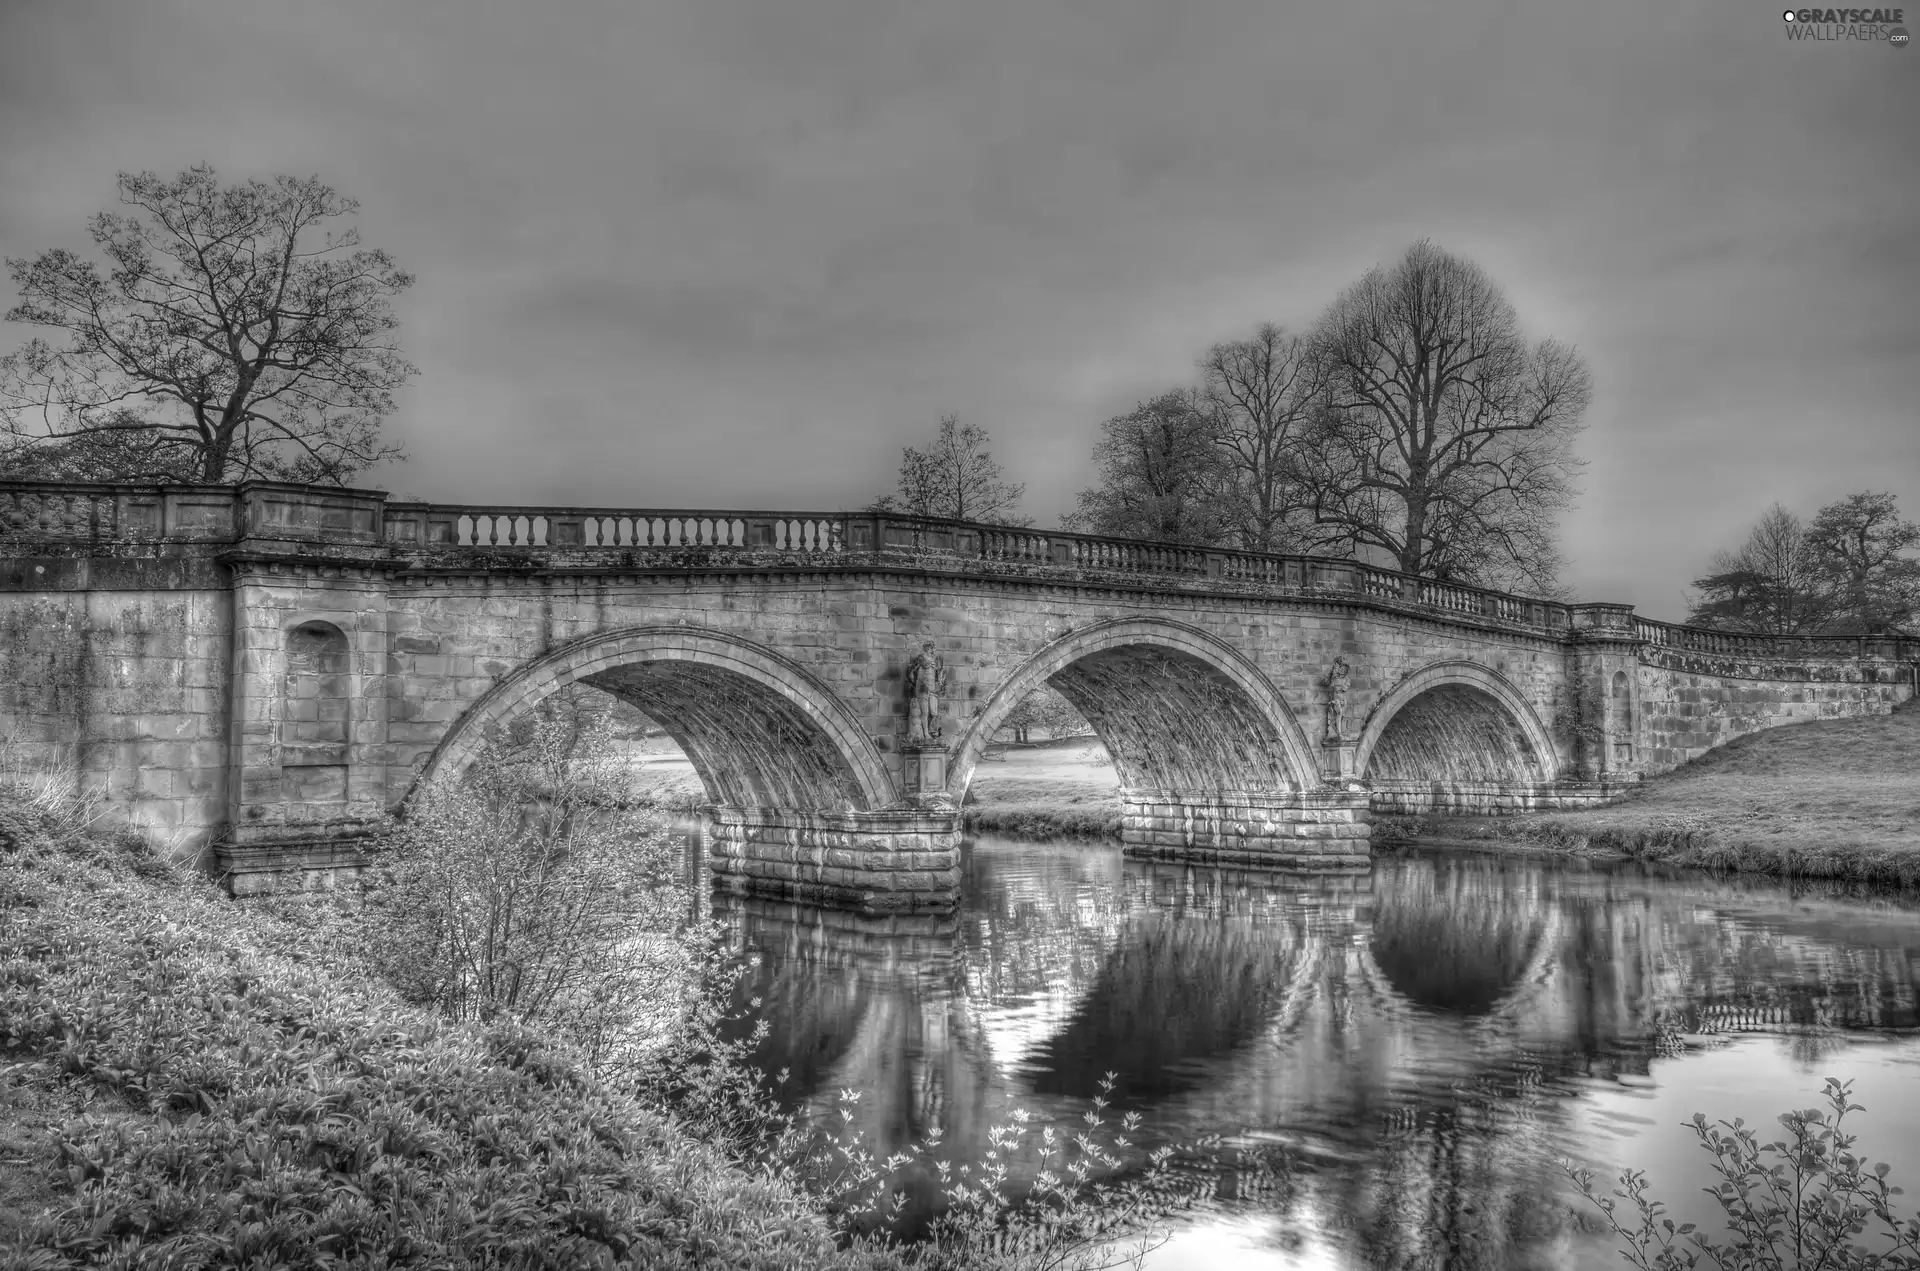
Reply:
x=1178 y=989
x=1417 y=1039
x=812 y=1020
x=1453 y=939
x=1457 y=1184
x=1047 y=925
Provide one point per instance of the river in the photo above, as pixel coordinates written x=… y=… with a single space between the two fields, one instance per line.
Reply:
x=1424 y=1044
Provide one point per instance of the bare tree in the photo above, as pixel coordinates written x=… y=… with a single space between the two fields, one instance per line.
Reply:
x=1162 y=475
x=1447 y=442
x=1264 y=394
x=1862 y=542
x=956 y=477
x=1774 y=583
x=232 y=335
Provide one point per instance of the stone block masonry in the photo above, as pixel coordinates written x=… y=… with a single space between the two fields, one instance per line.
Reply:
x=1320 y=829
x=876 y=862
x=258 y=674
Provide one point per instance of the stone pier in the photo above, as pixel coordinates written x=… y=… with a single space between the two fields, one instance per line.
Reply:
x=1311 y=829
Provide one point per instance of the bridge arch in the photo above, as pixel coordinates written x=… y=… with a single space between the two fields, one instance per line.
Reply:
x=1457 y=720
x=1469 y=939
x=1177 y=708
x=759 y=729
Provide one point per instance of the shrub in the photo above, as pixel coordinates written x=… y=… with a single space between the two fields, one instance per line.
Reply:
x=1791 y=1204
x=283 y=1115
x=533 y=890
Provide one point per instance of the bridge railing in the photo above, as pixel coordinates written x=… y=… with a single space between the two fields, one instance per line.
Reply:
x=1747 y=644
x=471 y=526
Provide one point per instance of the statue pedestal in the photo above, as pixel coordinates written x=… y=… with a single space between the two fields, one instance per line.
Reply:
x=923 y=768
x=1336 y=758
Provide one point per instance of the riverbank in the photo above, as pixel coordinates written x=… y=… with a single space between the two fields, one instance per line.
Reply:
x=1064 y=788
x=1836 y=798
x=200 y=1081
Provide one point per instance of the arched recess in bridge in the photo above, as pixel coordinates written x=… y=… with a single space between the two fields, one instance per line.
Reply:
x=1178 y=709
x=759 y=730
x=1457 y=722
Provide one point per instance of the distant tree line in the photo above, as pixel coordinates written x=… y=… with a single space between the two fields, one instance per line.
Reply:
x=1046 y=710
x=1850 y=571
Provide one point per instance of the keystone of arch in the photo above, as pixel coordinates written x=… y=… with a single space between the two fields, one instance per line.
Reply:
x=590 y=655
x=1116 y=633
x=1473 y=675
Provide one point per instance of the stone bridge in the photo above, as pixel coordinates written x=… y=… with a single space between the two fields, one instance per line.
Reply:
x=258 y=673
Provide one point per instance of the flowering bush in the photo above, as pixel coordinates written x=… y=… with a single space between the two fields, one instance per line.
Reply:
x=268 y=1109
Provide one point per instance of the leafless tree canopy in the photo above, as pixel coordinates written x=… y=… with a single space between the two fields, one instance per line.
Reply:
x=1849 y=572
x=232 y=335
x=957 y=477
x=1773 y=583
x=1044 y=709
x=1161 y=475
x=1448 y=439
x=1263 y=394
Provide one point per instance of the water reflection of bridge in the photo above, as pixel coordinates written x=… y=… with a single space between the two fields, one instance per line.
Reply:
x=1405 y=1029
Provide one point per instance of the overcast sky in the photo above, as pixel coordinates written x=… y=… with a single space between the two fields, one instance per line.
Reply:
x=731 y=254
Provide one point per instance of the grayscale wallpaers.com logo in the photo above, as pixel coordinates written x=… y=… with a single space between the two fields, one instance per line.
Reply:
x=1847 y=24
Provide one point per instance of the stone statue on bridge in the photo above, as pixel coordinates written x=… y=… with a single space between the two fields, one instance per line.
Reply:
x=1339 y=680
x=926 y=679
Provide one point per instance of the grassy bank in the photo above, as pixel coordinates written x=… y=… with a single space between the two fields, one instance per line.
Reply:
x=1048 y=789
x=1828 y=799
x=1835 y=799
x=1042 y=808
x=188 y=1083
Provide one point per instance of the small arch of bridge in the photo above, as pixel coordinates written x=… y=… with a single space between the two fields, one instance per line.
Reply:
x=1455 y=720
x=1178 y=709
x=758 y=728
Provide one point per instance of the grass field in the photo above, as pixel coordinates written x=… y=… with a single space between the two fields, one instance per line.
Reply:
x=1050 y=789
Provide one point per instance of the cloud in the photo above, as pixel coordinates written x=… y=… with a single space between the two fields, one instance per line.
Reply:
x=740 y=251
